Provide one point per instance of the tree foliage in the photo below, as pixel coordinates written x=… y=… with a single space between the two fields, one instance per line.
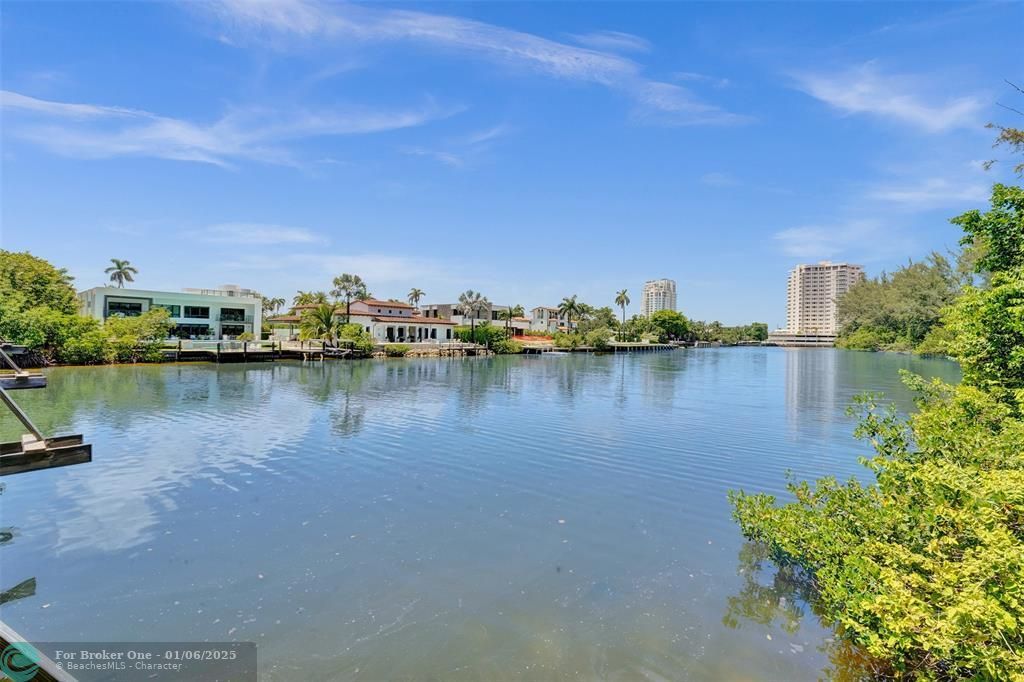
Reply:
x=986 y=328
x=670 y=325
x=897 y=311
x=923 y=568
x=1000 y=230
x=27 y=282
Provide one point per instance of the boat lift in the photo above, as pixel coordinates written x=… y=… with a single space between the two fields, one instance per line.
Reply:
x=34 y=450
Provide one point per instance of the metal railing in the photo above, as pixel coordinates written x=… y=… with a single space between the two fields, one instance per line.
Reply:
x=230 y=317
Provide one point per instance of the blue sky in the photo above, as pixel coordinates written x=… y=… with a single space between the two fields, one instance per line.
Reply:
x=529 y=151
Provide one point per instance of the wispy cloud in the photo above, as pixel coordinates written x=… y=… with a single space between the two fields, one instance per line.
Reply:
x=670 y=104
x=616 y=41
x=255 y=234
x=692 y=76
x=99 y=131
x=931 y=193
x=301 y=21
x=865 y=90
x=813 y=242
x=717 y=179
x=447 y=158
x=462 y=149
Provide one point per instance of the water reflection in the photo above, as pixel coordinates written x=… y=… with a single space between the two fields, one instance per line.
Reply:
x=783 y=601
x=477 y=518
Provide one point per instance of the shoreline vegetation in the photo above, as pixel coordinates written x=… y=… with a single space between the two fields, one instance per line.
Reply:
x=38 y=310
x=921 y=570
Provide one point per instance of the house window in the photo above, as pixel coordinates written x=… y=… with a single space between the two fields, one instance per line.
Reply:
x=200 y=312
x=172 y=310
x=123 y=309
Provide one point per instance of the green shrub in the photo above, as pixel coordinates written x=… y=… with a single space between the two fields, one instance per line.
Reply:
x=396 y=350
x=598 y=339
x=507 y=347
x=246 y=336
x=360 y=338
x=937 y=341
x=140 y=338
x=866 y=338
x=924 y=568
x=88 y=348
x=485 y=334
x=567 y=341
x=987 y=328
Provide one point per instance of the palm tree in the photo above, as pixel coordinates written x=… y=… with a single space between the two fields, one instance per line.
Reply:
x=271 y=305
x=414 y=297
x=121 y=271
x=302 y=298
x=472 y=302
x=569 y=307
x=320 y=322
x=509 y=314
x=622 y=300
x=349 y=287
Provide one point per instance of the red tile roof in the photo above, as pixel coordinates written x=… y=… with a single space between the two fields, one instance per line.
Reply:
x=385 y=304
x=414 y=319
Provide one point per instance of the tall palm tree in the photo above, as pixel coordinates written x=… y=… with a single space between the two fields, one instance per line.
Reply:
x=302 y=298
x=622 y=300
x=320 y=322
x=569 y=307
x=271 y=305
x=414 y=297
x=349 y=287
x=472 y=302
x=509 y=314
x=121 y=271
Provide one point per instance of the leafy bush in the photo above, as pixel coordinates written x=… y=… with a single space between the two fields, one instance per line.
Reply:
x=246 y=336
x=362 y=341
x=396 y=350
x=924 y=568
x=507 y=347
x=938 y=341
x=866 y=338
x=987 y=328
x=598 y=339
x=87 y=348
x=485 y=334
x=567 y=341
x=140 y=338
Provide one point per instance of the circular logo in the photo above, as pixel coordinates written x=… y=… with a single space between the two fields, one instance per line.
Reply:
x=19 y=661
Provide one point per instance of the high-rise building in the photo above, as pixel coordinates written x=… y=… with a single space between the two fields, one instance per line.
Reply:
x=659 y=294
x=813 y=294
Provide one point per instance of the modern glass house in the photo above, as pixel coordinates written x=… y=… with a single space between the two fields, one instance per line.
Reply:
x=216 y=314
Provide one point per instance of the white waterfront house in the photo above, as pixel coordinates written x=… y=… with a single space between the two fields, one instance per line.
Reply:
x=548 y=319
x=488 y=313
x=385 y=321
x=215 y=314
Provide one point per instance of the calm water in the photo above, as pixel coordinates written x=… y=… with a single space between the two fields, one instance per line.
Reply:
x=532 y=518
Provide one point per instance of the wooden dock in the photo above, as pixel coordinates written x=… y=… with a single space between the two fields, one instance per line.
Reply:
x=615 y=347
x=34 y=451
